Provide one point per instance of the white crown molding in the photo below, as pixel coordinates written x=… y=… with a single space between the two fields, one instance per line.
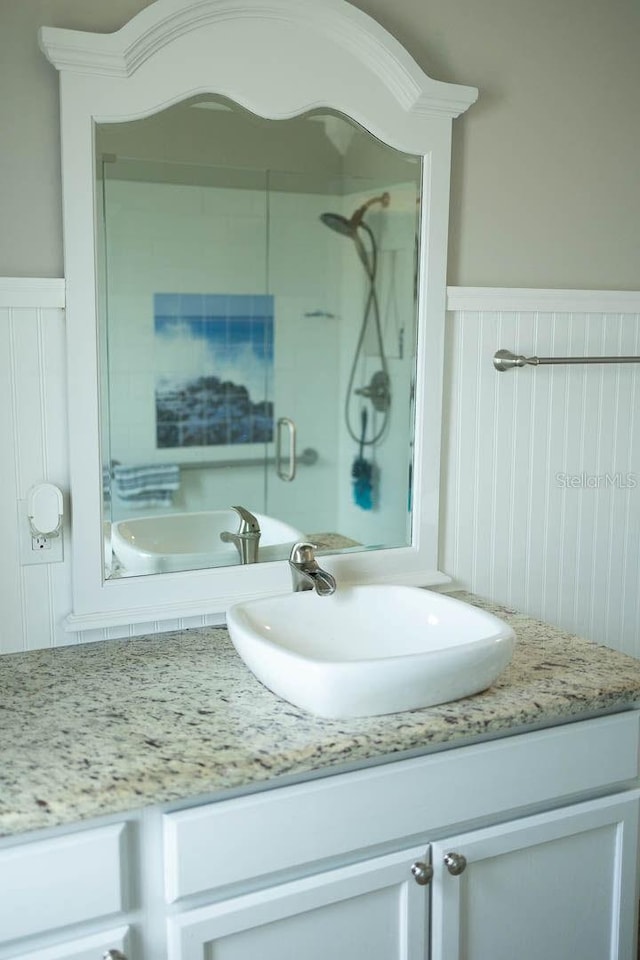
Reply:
x=122 y=53
x=32 y=292
x=529 y=300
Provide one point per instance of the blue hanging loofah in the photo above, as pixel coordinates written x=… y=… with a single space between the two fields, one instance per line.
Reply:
x=362 y=472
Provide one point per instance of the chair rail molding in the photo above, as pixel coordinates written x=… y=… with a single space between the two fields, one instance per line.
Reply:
x=32 y=292
x=532 y=300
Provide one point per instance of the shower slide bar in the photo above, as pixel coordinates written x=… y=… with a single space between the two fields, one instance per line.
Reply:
x=506 y=360
x=308 y=457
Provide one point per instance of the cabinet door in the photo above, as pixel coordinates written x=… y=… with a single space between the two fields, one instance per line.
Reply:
x=556 y=886
x=374 y=910
x=85 y=948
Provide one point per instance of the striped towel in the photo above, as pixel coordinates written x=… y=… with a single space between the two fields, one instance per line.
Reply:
x=106 y=485
x=148 y=485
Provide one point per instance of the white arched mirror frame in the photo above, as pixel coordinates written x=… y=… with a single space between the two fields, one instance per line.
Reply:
x=278 y=59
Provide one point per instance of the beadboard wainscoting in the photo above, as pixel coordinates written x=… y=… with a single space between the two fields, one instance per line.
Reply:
x=33 y=440
x=541 y=465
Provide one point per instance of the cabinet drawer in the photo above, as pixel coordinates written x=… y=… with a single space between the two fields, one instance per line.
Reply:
x=49 y=884
x=237 y=840
x=84 y=948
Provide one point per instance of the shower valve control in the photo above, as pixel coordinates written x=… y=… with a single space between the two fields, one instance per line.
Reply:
x=377 y=390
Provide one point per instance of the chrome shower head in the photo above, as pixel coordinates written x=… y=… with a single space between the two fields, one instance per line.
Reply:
x=335 y=221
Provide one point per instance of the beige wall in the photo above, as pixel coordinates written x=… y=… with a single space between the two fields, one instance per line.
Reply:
x=545 y=178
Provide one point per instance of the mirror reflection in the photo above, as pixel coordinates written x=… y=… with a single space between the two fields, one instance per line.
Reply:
x=257 y=292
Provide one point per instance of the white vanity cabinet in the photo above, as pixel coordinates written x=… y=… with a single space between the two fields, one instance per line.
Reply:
x=336 y=867
x=557 y=885
x=522 y=847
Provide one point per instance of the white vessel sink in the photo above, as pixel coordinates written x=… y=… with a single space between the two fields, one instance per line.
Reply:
x=370 y=650
x=182 y=541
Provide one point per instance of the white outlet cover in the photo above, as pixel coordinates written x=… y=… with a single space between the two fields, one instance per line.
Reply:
x=30 y=554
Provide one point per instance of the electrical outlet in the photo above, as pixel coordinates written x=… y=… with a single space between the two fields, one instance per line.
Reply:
x=39 y=549
x=41 y=542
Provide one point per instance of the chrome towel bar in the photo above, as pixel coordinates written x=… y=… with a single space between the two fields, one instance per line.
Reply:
x=506 y=360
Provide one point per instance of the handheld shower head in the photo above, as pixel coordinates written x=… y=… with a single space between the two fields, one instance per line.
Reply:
x=335 y=221
x=378 y=390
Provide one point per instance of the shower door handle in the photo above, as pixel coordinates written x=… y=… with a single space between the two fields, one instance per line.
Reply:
x=286 y=473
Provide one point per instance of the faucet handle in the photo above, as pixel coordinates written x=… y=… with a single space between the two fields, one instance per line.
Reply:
x=247 y=538
x=248 y=523
x=303 y=553
x=306 y=573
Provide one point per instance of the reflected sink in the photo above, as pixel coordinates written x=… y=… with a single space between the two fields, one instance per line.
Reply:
x=370 y=650
x=183 y=541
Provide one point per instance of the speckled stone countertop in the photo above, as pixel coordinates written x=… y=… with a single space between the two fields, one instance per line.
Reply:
x=108 y=727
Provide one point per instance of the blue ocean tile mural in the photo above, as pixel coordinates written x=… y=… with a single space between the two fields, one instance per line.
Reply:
x=214 y=369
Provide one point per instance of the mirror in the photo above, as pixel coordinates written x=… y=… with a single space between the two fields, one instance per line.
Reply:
x=258 y=322
x=249 y=155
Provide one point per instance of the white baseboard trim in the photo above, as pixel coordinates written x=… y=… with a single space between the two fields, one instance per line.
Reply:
x=514 y=300
x=32 y=292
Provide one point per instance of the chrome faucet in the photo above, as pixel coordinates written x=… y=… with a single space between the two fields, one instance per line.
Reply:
x=306 y=573
x=247 y=537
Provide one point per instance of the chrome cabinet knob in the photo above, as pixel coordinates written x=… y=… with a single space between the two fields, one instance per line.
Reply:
x=113 y=955
x=422 y=872
x=455 y=863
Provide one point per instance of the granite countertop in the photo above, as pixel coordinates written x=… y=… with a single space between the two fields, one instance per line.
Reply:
x=108 y=727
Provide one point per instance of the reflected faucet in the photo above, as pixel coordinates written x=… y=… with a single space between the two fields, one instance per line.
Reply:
x=247 y=537
x=306 y=573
